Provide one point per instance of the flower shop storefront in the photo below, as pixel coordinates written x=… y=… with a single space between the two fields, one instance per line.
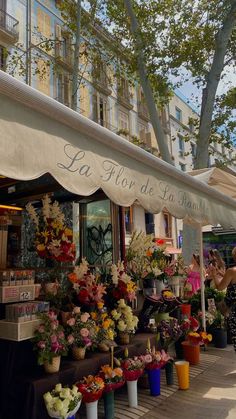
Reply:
x=46 y=147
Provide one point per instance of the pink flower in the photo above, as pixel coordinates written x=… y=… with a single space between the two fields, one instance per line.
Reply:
x=41 y=344
x=54 y=324
x=61 y=335
x=87 y=342
x=147 y=358
x=53 y=338
x=84 y=317
x=84 y=332
x=41 y=328
x=70 y=339
x=76 y=310
x=52 y=315
x=55 y=346
x=71 y=321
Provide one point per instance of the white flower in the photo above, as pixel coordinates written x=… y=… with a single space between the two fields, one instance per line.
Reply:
x=58 y=405
x=58 y=388
x=47 y=397
x=121 y=326
x=65 y=393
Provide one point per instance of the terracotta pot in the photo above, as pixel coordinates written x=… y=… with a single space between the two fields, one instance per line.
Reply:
x=191 y=352
x=78 y=353
x=124 y=338
x=54 y=366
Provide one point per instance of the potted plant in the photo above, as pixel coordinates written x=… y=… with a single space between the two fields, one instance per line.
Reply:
x=192 y=346
x=80 y=332
x=50 y=342
x=62 y=402
x=125 y=321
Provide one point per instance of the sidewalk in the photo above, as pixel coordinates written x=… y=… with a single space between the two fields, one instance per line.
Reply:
x=212 y=393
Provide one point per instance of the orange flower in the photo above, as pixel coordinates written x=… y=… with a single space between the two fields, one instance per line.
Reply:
x=118 y=371
x=100 y=305
x=73 y=277
x=107 y=371
x=106 y=324
x=149 y=253
x=94 y=315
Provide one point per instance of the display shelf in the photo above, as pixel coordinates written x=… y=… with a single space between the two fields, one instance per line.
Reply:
x=18 y=331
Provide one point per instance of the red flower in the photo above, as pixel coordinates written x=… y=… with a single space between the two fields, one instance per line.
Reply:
x=83 y=296
x=160 y=241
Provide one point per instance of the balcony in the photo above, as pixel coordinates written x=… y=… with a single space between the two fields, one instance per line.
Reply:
x=62 y=59
x=143 y=111
x=9 y=28
x=124 y=97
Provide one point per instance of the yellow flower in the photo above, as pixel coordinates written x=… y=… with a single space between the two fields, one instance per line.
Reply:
x=168 y=294
x=94 y=315
x=106 y=324
x=100 y=305
x=104 y=315
x=110 y=334
x=68 y=232
x=40 y=247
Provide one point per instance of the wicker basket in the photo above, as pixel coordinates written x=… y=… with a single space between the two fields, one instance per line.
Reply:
x=78 y=353
x=124 y=338
x=54 y=366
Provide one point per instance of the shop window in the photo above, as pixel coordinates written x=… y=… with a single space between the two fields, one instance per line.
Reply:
x=129 y=220
x=178 y=114
x=149 y=222
x=167 y=224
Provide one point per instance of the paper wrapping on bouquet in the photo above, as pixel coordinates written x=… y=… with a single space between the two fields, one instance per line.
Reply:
x=154 y=378
x=112 y=387
x=155 y=365
x=89 y=397
x=132 y=375
x=69 y=415
x=153 y=305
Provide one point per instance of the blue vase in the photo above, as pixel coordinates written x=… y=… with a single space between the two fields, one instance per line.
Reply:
x=154 y=378
x=72 y=417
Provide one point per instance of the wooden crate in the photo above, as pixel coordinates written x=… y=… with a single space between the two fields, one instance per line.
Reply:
x=18 y=331
x=15 y=293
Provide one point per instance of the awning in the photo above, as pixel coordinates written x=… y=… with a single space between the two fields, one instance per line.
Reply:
x=39 y=135
x=217 y=178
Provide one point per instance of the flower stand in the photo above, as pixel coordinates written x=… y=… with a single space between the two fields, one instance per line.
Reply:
x=154 y=378
x=132 y=393
x=191 y=352
x=169 y=373
x=54 y=366
x=109 y=405
x=92 y=410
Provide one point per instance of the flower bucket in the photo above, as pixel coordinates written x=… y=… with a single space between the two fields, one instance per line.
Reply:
x=220 y=338
x=169 y=373
x=182 y=369
x=154 y=378
x=132 y=393
x=179 y=349
x=54 y=366
x=78 y=353
x=186 y=310
x=124 y=338
x=191 y=352
x=92 y=410
x=109 y=405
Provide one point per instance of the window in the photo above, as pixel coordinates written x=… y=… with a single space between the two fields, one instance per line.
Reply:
x=178 y=114
x=2 y=58
x=99 y=72
x=167 y=224
x=43 y=77
x=63 y=89
x=123 y=121
x=142 y=130
x=149 y=222
x=44 y=23
x=100 y=109
x=129 y=220
x=191 y=127
x=182 y=167
x=123 y=88
x=193 y=152
x=181 y=145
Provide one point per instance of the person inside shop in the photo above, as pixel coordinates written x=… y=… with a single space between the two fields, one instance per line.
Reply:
x=193 y=281
x=215 y=260
x=228 y=281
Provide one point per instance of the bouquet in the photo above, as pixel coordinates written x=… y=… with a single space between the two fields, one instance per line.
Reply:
x=91 y=388
x=155 y=359
x=170 y=331
x=124 y=318
x=201 y=338
x=81 y=329
x=113 y=378
x=49 y=338
x=53 y=239
x=176 y=267
x=62 y=402
x=122 y=287
x=132 y=368
x=105 y=327
x=89 y=290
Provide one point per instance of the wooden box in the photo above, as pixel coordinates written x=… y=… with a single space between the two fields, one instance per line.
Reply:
x=15 y=293
x=18 y=331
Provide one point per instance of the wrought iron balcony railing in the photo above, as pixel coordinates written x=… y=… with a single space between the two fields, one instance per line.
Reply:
x=9 y=24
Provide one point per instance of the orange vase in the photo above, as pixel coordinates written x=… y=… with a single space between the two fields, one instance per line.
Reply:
x=191 y=352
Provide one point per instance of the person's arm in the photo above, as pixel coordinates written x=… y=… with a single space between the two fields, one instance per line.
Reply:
x=222 y=283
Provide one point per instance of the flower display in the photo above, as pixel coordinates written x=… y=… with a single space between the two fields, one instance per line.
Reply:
x=105 y=326
x=132 y=368
x=53 y=239
x=124 y=318
x=201 y=338
x=154 y=359
x=81 y=330
x=120 y=284
x=113 y=378
x=49 y=338
x=62 y=402
x=91 y=388
x=89 y=290
x=176 y=267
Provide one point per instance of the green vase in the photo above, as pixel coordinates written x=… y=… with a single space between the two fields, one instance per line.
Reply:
x=109 y=405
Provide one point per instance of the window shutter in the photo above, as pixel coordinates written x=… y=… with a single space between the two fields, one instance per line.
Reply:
x=58 y=40
x=40 y=21
x=95 y=107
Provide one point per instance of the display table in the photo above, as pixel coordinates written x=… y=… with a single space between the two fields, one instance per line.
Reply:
x=23 y=385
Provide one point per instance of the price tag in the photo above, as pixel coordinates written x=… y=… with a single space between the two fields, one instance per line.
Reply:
x=25 y=296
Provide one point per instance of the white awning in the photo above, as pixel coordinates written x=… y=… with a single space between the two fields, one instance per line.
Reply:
x=39 y=135
x=219 y=179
